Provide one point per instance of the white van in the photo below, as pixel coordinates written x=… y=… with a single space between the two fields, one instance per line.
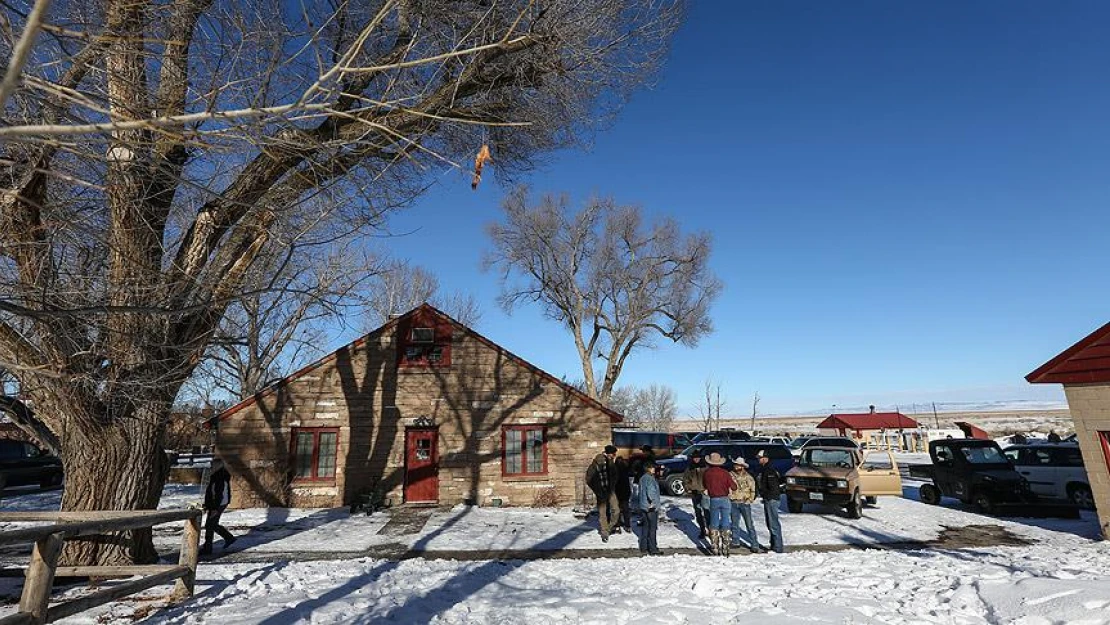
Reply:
x=1054 y=471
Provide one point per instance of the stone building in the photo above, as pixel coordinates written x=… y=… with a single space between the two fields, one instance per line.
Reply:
x=422 y=410
x=1084 y=370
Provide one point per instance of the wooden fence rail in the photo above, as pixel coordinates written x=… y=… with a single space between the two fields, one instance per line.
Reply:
x=34 y=604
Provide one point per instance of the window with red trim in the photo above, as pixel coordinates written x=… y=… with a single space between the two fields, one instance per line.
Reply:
x=314 y=454
x=424 y=344
x=524 y=450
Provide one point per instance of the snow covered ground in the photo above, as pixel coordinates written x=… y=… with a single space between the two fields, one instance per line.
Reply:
x=1062 y=576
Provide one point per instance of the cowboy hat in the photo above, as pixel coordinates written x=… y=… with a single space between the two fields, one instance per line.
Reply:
x=739 y=462
x=715 y=459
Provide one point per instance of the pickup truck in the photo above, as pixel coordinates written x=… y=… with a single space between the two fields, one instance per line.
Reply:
x=22 y=464
x=843 y=477
x=976 y=471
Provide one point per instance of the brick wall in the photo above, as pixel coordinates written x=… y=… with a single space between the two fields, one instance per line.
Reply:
x=361 y=392
x=1090 y=411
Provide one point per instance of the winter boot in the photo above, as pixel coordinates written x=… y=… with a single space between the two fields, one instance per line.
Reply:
x=726 y=542
x=713 y=541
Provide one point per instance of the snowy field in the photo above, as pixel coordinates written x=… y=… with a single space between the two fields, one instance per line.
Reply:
x=1061 y=577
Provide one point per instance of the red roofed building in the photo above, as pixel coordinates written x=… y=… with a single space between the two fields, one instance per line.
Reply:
x=875 y=428
x=1084 y=370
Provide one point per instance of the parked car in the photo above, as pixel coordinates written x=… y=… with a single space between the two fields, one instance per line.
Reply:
x=664 y=444
x=804 y=442
x=23 y=463
x=976 y=471
x=673 y=468
x=724 y=434
x=1054 y=471
x=843 y=477
x=777 y=440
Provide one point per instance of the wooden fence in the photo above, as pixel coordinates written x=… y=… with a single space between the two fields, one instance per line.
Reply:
x=34 y=604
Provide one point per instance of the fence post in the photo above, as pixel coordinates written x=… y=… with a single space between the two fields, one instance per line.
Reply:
x=40 y=577
x=190 y=545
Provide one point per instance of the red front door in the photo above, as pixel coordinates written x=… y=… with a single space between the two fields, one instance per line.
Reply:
x=421 y=465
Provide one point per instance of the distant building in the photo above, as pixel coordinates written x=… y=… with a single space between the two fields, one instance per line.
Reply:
x=876 y=429
x=1084 y=370
x=423 y=410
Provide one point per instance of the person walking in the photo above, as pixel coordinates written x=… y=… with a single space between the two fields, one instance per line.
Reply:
x=769 y=487
x=601 y=478
x=741 y=496
x=217 y=496
x=692 y=483
x=649 y=502
x=718 y=484
x=622 y=488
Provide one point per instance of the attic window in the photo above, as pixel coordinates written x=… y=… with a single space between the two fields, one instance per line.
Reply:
x=424 y=346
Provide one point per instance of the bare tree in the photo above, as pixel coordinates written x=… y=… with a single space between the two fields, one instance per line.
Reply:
x=755 y=409
x=625 y=401
x=283 y=322
x=614 y=282
x=153 y=153
x=659 y=405
x=402 y=286
x=710 y=411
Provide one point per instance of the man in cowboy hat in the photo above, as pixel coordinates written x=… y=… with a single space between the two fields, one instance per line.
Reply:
x=769 y=486
x=691 y=482
x=742 y=496
x=718 y=484
x=217 y=496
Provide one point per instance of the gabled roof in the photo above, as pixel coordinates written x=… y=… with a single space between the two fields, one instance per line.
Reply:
x=867 y=421
x=1086 y=362
x=614 y=416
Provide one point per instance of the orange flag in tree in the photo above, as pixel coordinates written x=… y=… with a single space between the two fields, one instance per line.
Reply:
x=480 y=160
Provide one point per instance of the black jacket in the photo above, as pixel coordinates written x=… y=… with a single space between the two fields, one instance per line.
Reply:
x=601 y=476
x=218 y=493
x=769 y=483
x=621 y=486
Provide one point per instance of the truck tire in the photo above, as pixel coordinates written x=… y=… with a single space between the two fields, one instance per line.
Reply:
x=793 y=505
x=855 y=507
x=984 y=503
x=930 y=494
x=1080 y=495
x=675 y=486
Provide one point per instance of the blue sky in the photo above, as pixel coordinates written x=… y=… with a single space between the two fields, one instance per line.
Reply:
x=909 y=199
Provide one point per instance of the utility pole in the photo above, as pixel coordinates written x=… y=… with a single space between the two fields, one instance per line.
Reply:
x=935 y=417
x=755 y=405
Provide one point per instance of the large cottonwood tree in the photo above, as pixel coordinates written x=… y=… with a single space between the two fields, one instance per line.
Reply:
x=616 y=282
x=152 y=151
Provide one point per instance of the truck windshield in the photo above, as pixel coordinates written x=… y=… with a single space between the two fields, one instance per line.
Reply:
x=983 y=455
x=798 y=442
x=828 y=458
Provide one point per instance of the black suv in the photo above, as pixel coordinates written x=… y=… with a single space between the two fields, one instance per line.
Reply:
x=22 y=464
x=673 y=468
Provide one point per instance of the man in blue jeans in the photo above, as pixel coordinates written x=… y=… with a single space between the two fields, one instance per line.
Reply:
x=718 y=484
x=742 y=496
x=769 y=485
x=649 y=502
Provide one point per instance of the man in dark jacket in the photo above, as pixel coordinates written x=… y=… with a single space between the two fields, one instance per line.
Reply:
x=622 y=488
x=769 y=486
x=217 y=496
x=601 y=477
x=692 y=483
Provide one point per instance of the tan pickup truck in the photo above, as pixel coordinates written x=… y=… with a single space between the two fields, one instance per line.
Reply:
x=836 y=476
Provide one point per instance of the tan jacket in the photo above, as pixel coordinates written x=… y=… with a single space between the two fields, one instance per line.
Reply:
x=691 y=479
x=743 y=490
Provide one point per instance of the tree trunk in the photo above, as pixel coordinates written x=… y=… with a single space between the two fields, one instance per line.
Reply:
x=120 y=466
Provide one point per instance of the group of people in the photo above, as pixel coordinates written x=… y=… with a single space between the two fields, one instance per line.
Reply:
x=721 y=498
